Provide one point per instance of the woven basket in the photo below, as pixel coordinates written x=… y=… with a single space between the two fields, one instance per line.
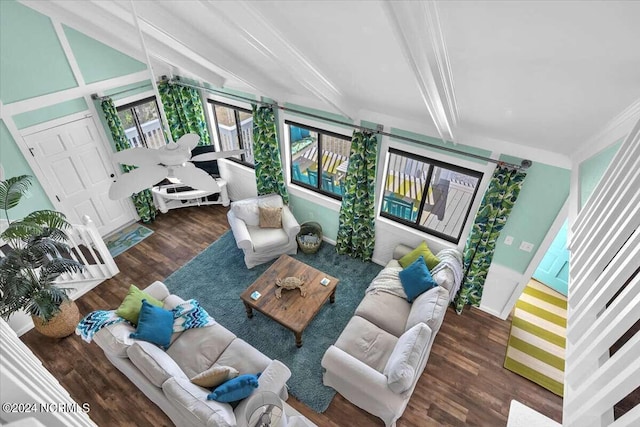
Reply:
x=62 y=325
x=310 y=237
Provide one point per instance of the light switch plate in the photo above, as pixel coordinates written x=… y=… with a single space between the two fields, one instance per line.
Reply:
x=526 y=246
x=508 y=240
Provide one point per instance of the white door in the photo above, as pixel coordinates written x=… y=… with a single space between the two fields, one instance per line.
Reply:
x=77 y=167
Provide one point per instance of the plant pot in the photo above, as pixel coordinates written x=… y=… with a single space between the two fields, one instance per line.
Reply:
x=62 y=324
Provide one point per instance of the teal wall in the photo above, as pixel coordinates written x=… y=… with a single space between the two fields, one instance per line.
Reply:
x=321 y=114
x=33 y=62
x=128 y=90
x=441 y=143
x=305 y=210
x=51 y=112
x=543 y=194
x=98 y=61
x=591 y=170
x=14 y=164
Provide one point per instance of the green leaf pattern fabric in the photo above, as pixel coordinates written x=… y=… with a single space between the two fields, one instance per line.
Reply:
x=143 y=201
x=497 y=203
x=185 y=114
x=266 y=154
x=356 y=230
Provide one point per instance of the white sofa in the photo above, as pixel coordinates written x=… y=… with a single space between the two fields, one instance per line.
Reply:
x=164 y=376
x=262 y=244
x=363 y=363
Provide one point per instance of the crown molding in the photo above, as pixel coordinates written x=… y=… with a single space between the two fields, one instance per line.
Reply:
x=616 y=128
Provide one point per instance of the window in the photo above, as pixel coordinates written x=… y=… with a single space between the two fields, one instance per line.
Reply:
x=234 y=126
x=141 y=122
x=319 y=159
x=428 y=195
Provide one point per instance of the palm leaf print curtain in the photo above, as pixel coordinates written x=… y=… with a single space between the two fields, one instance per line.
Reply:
x=356 y=230
x=185 y=114
x=143 y=200
x=497 y=203
x=266 y=154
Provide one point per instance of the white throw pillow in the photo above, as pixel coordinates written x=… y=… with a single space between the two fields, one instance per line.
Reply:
x=405 y=359
x=429 y=308
x=246 y=210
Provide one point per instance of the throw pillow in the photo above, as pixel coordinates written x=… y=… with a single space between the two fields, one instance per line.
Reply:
x=155 y=325
x=422 y=250
x=214 y=376
x=270 y=217
x=235 y=389
x=130 y=307
x=416 y=279
x=404 y=362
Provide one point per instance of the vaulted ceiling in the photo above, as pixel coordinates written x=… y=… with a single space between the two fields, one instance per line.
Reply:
x=544 y=74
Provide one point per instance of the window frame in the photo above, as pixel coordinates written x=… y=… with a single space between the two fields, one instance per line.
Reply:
x=320 y=132
x=241 y=141
x=433 y=163
x=136 y=120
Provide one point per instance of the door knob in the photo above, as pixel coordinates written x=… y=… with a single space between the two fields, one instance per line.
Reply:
x=112 y=175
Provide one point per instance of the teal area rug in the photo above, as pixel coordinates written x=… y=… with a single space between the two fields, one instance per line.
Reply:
x=129 y=236
x=217 y=277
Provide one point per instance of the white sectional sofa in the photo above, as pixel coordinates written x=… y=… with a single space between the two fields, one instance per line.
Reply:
x=164 y=376
x=382 y=352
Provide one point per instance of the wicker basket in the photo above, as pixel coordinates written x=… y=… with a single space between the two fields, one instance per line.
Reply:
x=310 y=237
x=62 y=325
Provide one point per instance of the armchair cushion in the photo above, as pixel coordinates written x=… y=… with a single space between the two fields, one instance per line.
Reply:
x=267 y=239
x=367 y=343
x=404 y=362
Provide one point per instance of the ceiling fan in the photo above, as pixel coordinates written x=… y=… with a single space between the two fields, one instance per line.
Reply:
x=172 y=161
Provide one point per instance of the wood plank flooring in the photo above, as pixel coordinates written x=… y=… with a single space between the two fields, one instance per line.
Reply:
x=464 y=383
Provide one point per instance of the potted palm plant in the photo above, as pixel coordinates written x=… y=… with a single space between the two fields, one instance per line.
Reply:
x=38 y=254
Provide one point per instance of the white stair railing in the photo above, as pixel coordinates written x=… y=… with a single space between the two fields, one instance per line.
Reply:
x=604 y=297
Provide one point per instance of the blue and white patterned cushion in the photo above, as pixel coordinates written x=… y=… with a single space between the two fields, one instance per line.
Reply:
x=187 y=315
x=95 y=321
x=190 y=314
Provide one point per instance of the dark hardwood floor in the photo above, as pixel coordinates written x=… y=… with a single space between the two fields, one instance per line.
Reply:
x=464 y=382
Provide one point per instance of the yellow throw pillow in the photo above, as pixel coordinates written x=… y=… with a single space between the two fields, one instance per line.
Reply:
x=270 y=217
x=132 y=303
x=421 y=251
x=214 y=376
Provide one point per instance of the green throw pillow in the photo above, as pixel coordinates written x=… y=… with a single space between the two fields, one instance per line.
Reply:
x=421 y=251
x=130 y=307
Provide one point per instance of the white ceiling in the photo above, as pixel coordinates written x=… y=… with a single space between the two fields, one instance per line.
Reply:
x=543 y=74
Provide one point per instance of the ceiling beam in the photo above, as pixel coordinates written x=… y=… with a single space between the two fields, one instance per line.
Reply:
x=417 y=29
x=164 y=47
x=263 y=36
x=166 y=26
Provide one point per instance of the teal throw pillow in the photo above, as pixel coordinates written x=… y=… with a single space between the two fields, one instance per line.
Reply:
x=155 y=325
x=416 y=279
x=235 y=389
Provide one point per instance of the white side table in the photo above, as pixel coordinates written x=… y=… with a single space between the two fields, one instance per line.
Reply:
x=164 y=199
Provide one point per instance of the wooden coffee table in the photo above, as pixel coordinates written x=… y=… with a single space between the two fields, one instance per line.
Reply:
x=292 y=311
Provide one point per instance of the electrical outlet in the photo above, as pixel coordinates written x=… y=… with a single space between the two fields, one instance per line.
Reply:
x=508 y=240
x=526 y=246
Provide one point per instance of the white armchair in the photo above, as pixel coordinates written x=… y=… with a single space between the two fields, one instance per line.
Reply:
x=262 y=244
